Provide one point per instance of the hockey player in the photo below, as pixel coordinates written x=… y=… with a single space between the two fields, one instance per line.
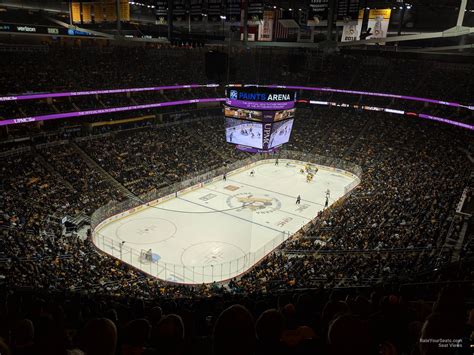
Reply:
x=252 y=173
x=298 y=200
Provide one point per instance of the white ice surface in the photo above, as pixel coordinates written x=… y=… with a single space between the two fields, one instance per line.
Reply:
x=206 y=235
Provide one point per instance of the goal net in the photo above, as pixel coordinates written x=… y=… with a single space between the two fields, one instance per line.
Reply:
x=145 y=256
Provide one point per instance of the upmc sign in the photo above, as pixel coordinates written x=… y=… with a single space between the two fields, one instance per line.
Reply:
x=255 y=98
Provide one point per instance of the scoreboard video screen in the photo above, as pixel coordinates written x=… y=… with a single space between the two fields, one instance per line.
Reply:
x=244 y=132
x=285 y=114
x=267 y=132
x=280 y=133
x=258 y=119
x=242 y=114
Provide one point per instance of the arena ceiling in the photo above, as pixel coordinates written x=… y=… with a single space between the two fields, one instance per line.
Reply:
x=420 y=17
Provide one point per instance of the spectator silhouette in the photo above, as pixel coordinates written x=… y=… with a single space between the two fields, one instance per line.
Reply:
x=100 y=337
x=234 y=332
x=135 y=336
x=269 y=329
x=168 y=336
x=349 y=335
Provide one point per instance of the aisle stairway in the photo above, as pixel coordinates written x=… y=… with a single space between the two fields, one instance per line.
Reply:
x=51 y=170
x=93 y=165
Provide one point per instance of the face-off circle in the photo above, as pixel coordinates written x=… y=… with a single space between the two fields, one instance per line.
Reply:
x=256 y=203
x=150 y=230
x=210 y=253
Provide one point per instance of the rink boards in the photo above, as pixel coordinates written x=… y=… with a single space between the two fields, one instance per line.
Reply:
x=209 y=235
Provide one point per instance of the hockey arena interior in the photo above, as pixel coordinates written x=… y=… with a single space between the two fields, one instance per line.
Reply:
x=239 y=177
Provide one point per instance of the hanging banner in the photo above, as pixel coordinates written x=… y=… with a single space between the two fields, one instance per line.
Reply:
x=179 y=10
x=351 y=30
x=76 y=12
x=347 y=9
x=232 y=11
x=161 y=12
x=86 y=12
x=110 y=11
x=124 y=10
x=265 y=29
x=255 y=9
x=319 y=10
x=378 y=23
x=214 y=11
x=196 y=10
x=99 y=13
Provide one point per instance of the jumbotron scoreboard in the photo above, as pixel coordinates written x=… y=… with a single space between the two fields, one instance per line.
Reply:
x=258 y=119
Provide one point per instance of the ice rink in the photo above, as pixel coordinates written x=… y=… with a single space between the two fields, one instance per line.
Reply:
x=222 y=229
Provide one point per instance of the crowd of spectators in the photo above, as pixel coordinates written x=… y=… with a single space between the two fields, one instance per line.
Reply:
x=90 y=186
x=153 y=158
x=316 y=322
x=391 y=227
x=412 y=180
x=90 y=68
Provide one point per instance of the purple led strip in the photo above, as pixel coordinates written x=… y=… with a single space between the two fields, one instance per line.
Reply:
x=399 y=112
x=172 y=103
x=356 y=92
x=445 y=120
x=101 y=92
x=56 y=116
x=174 y=87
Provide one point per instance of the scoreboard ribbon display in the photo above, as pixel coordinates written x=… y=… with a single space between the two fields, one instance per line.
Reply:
x=256 y=98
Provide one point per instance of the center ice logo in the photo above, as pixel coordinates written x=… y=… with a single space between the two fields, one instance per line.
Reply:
x=257 y=204
x=233 y=94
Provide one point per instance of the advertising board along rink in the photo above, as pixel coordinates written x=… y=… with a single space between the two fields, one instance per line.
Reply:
x=217 y=230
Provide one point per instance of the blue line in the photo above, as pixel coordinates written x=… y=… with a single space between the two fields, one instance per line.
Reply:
x=278 y=193
x=244 y=219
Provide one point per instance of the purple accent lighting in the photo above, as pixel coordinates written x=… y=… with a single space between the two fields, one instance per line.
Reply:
x=398 y=112
x=56 y=116
x=368 y=93
x=261 y=105
x=184 y=102
x=445 y=120
x=247 y=149
x=100 y=92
